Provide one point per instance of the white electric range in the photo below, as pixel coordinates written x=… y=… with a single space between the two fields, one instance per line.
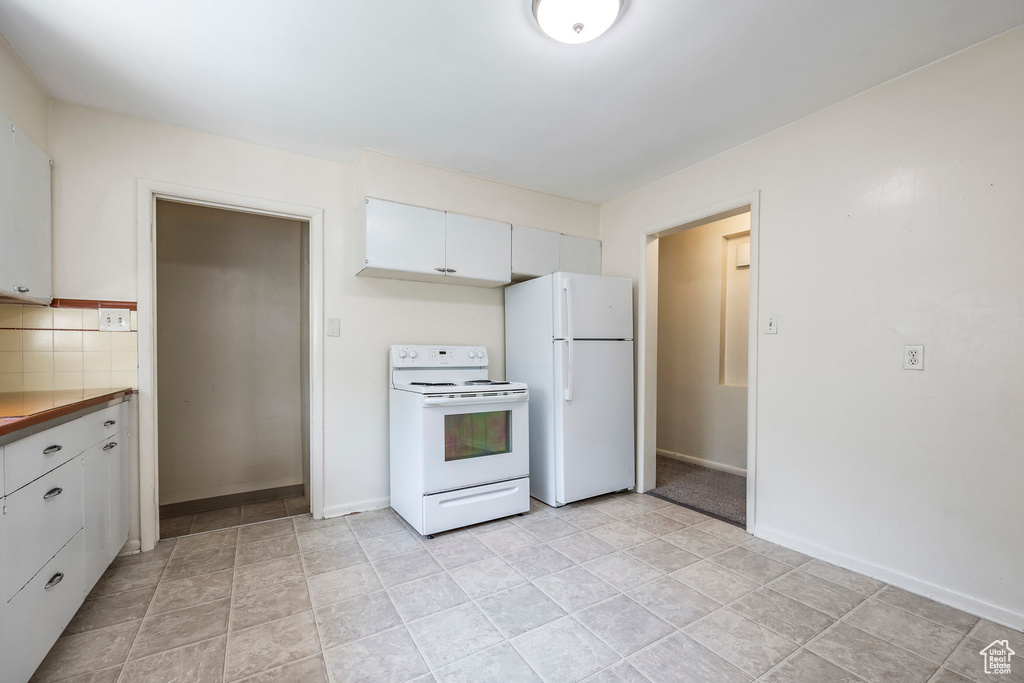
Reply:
x=459 y=441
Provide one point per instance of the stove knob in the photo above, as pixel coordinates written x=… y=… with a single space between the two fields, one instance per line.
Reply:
x=480 y=354
x=401 y=354
x=412 y=354
x=472 y=354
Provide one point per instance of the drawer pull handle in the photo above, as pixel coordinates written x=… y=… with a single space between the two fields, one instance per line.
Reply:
x=110 y=423
x=112 y=444
x=53 y=493
x=54 y=580
x=440 y=270
x=51 y=449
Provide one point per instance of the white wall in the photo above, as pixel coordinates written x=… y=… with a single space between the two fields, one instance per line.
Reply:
x=229 y=353
x=22 y=97
x=698 y=416
x=99 y=158
x=892 y=218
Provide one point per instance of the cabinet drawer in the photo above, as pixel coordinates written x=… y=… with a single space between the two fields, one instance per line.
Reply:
x=41 y=517
x=454 y=509
x=37 y=615
x=37 y=454
x=107 y=422
x=26 y=459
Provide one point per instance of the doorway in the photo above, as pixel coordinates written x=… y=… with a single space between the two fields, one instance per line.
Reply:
x=703 y=315
x=232 y=367
x=648 y=411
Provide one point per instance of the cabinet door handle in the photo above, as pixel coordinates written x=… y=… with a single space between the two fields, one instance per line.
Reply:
x=51 y=449
x=54 y=580
x=440 y=270
x=23 y=290
x=112 y=444
x=449 y=270
x=110 y=423
x=53 y=493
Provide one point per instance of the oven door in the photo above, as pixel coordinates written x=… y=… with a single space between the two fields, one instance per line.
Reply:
x=471 y=440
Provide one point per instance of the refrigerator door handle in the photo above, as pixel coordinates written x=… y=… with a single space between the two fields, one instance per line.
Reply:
x=567 y=394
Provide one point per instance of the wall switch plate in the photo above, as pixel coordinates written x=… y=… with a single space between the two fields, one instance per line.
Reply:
x=771 y=324
x=913 y=358
x=334 y=327
x=115 y=320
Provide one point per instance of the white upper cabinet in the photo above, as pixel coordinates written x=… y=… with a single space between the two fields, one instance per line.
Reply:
x=477 y=249
x=534 y=252
x=406 y=242
x=25 y=269
x=404 y=238
x=579 y=255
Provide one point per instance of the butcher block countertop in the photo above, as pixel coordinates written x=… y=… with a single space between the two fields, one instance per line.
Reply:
x=22 y=409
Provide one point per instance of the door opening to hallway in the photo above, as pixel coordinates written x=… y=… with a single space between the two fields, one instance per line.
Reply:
x=703 y=323
x=232 y=367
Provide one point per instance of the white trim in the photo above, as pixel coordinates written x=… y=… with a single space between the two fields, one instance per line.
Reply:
x=361 y=506
x=148 y=192
x=647 y=335
x=967 y=603
x=701 y=462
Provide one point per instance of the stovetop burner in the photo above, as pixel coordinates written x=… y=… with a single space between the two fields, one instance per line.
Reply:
x=433 y=384
x=484 y=382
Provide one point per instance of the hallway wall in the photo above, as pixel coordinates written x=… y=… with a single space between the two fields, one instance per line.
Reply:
x=701 y=295
x=228 y=352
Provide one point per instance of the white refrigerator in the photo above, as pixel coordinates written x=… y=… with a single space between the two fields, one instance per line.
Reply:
x=569 y=337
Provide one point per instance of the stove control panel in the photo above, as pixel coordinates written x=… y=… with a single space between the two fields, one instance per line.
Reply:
x=424 y=356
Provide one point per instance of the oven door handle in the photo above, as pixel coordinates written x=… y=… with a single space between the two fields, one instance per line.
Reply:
x=473 y=401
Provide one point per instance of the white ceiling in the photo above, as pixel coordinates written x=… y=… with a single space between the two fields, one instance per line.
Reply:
x=474 y=85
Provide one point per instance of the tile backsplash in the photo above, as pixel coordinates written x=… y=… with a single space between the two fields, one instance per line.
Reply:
x=45 y=349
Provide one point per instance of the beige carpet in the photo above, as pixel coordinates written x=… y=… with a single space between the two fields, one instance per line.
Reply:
x=718 y=494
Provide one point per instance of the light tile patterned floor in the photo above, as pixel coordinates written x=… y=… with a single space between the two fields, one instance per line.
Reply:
x=621 y=588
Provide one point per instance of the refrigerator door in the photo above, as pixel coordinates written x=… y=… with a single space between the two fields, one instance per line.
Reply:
x=594 y=451
x=592 y=306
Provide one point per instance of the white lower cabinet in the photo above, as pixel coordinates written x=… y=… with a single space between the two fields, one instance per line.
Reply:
x=39 y=612
x=60 y=531
x=116 y=452
x=40 y=518
x=96 y=489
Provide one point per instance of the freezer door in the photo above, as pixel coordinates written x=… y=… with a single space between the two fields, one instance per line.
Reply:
x=593 y=418
x=592 y=306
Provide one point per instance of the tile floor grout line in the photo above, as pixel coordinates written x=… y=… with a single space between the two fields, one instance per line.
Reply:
x=387 y=592
x=942 y=666
x=142 y=621
x=231 y=605
x=898 y=645
x=309 y=594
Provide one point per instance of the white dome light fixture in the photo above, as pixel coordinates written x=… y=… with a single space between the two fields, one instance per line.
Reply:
x=576 y=21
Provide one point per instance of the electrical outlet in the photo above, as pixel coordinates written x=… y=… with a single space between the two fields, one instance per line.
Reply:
x=115 y=320
x=771 y=324
x=913 y=358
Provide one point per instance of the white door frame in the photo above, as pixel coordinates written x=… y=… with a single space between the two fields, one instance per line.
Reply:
x=148 y=193
x=647 y=339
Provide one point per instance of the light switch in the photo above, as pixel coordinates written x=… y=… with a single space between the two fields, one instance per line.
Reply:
x=771 y=324
x=115 y=320
x=334 y=327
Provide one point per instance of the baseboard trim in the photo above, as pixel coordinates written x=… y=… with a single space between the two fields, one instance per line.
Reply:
x=947 y=596
x=361 y=506
x=701 y=462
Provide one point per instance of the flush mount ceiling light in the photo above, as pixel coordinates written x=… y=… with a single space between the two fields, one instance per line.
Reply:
x=576 y=21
